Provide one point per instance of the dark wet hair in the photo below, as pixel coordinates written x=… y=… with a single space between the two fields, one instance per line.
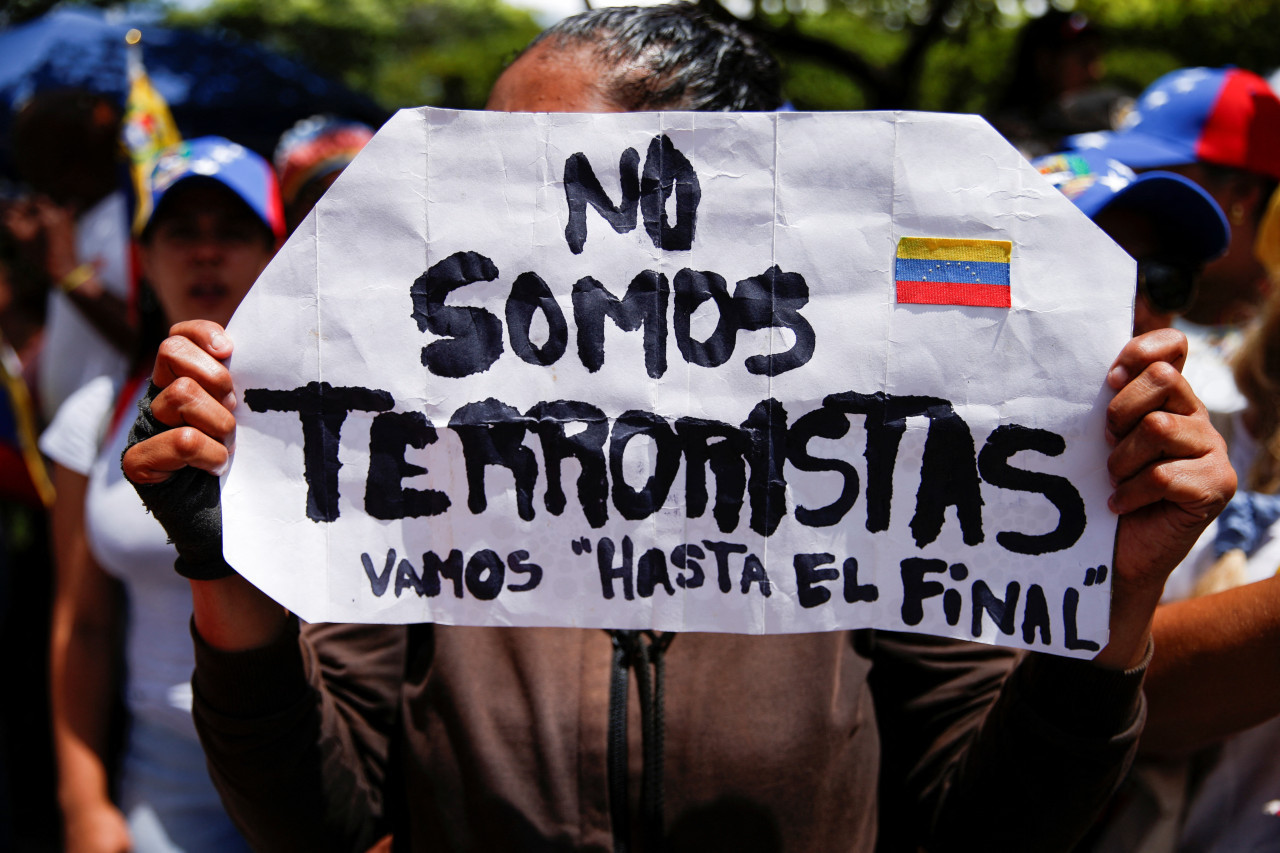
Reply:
x=66 y=145
x=674 y=56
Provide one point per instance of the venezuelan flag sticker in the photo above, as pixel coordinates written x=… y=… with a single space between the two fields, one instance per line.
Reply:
x=944 y=271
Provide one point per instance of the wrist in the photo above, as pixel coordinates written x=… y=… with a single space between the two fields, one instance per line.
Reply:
x=232 y=615
x=1126 y=648
x=77 y=277
x=78 y=800
x=1129 y=658
x=1133 y=611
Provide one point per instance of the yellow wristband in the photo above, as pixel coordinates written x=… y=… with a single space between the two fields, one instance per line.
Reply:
x=76 y=277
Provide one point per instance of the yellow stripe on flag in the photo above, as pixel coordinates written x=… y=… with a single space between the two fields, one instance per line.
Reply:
x=948 y=249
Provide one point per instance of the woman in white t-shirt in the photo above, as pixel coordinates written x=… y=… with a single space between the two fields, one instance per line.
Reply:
x=215 y=223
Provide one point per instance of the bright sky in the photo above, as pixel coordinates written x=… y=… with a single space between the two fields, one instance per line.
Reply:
x=550 y=11
x=547 y=11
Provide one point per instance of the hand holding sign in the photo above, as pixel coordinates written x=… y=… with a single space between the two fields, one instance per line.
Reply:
x=196 y=399
x=1172 y=478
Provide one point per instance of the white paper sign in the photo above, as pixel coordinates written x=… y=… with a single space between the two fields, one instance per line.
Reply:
x=682 y=371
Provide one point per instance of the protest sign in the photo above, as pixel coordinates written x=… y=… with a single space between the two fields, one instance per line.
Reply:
x=718 y=372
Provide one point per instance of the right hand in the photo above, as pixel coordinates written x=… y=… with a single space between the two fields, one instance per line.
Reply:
x=99 y=829
x=196 y=400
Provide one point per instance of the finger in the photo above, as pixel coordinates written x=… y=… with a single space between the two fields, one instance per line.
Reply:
x=1167 y=345
x=206 y=334
x=181 y=356
x=154 y=460
x=1159 y=387
x=1160 y=435
x=1198 y=487
x=184 y=402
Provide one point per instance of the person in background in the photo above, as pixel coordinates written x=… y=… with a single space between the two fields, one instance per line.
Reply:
x=27 y=809
x=309 y=158
x=1206 y=779
x=1055 y=84
x=1214 y=729
x=66 y=145
x=1218 y=802
x=1166 y=223
x=1220 y=127
x=215 y=223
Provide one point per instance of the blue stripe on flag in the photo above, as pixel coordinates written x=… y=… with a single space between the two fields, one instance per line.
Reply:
x=957 y=272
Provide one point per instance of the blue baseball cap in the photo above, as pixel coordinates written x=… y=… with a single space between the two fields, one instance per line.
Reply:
x=1177 y=206
x=1226 y=116
x=237 y=168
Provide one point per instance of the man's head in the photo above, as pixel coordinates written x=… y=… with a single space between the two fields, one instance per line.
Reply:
x=628 y=59
x=1170 y=226
x=66 y=146
x=1220 y=127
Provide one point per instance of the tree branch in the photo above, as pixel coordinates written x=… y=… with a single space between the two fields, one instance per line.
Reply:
x=909 y=65
x=878 y=82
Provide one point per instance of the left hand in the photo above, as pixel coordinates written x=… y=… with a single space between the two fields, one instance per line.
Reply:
x=1171 y=477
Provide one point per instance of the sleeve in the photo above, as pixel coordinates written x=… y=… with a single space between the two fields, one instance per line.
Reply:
x=297 y=733
x=987 y=748
x=73 y=438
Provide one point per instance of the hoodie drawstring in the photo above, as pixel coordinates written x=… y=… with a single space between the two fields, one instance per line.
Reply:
x=638 y=650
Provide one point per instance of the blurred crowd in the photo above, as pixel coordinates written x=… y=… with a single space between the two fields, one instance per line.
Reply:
x=101 y=753
x=85 y=298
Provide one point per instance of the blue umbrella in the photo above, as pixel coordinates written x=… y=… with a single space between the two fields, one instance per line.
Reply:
x=214 y=84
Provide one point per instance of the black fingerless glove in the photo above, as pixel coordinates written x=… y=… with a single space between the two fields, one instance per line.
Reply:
x=187 y=505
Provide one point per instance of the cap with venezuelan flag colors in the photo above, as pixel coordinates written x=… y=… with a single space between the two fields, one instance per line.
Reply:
x=1226 y=116
x=1180 y=210
x=947 y=271
x=230 y=164
x=314 y=148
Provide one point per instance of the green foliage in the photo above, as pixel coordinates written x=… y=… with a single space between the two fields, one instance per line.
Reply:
x=401 y=52
x=962 y=74
x=1192 y=32
x=838 y=54
x=957 y=55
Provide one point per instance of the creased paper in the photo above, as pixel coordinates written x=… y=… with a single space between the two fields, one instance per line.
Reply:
x=659 y=370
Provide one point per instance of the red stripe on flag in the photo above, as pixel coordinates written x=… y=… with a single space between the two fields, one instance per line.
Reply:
x=944 y=293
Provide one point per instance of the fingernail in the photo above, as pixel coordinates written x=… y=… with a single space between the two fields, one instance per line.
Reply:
x=220 y=470
x=218 y=340
x=229 y=402
x=1118 y=377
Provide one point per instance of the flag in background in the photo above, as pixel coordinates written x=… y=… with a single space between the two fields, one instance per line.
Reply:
x=23 y=475
x=945 y=271
x=147 y=128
